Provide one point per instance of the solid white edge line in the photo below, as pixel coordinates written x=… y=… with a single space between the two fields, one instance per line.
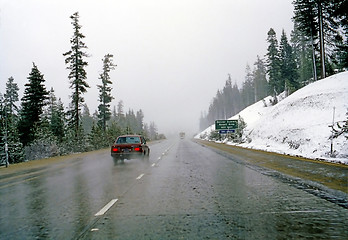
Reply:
x=106 y=207
x=140 y=176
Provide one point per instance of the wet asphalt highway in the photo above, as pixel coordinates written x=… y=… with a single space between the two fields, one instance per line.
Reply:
x=183 y=191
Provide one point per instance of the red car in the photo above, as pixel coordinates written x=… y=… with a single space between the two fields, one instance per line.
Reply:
x=129 y=146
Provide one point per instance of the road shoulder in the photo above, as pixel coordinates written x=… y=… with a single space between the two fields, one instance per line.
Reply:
x=327 y=180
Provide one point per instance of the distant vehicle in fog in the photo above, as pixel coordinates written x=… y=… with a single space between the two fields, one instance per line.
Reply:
x=130 y=146
x=182 y=135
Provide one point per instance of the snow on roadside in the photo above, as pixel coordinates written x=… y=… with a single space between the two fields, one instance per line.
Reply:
x=299 y=124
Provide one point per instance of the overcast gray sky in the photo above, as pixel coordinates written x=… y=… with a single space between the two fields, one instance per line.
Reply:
x=172 y=55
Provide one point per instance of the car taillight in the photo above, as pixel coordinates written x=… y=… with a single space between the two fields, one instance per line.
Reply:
x=137 y=149
x=115 y=149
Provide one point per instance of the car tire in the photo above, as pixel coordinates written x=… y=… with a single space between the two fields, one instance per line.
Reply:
x=146 y=154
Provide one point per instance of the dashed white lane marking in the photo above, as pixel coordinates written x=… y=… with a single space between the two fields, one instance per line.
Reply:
x=94 y=229
x=154 y=164
x=107 y=207
x=140 y=176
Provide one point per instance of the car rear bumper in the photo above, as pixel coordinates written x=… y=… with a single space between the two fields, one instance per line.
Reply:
x=127 y=155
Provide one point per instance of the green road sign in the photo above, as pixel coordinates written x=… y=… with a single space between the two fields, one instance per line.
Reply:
x=226 y=124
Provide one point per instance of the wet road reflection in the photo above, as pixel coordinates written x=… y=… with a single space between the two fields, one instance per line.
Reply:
x=183 y=191
x=59 y=201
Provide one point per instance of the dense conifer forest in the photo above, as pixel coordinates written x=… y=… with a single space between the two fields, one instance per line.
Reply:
x=316 y=48
x=40 y=126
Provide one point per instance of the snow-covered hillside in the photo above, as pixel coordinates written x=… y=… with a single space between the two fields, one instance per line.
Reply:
x=299 y=124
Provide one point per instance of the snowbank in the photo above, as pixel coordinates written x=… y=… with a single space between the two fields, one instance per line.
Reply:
x=299 y=124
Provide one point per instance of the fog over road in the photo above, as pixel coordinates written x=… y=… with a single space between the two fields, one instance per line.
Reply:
x=183 y=191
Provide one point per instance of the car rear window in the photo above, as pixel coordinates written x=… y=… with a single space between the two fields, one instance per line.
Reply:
x=125 y=140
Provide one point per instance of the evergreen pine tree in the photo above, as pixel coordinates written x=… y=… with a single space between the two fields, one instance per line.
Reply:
x=113 y=131
x=303 y=54
x=86 y=119
x=15 y=147
x=276 y=84
x=120 y=108
x=96 y=137
x=237 y=100
x=323 y=21
x=212 y=111
x=227 y=98
x=56 y=116
x=11 y=96
x=33 y=102
x=260 y=80
x=131 y=122
x=139 y=121
x=10 y=111
x=248 y=88
x=105 y=96
x=340 y=14
x=231 y=99
x=219 y=106
x=3 y=131
x=77 y=75
x=120 y=119
x=72 y=145
x=288 y=67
